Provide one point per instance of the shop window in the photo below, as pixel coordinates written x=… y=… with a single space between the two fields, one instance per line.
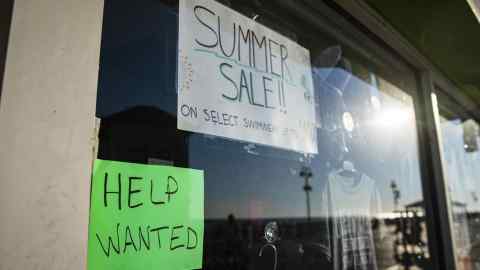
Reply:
x=460 y=137
x=346 y=196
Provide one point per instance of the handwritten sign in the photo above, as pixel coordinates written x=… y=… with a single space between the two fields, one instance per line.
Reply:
x=240 y=80
x=145 y=217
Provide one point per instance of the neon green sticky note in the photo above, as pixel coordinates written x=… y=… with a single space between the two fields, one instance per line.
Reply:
x=145 y=217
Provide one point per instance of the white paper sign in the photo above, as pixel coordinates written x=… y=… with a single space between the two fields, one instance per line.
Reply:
x=238 y=79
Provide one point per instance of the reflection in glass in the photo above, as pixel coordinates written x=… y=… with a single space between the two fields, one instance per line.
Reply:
x=461 y=160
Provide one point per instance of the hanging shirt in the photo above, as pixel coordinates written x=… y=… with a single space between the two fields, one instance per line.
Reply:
x=352 y=203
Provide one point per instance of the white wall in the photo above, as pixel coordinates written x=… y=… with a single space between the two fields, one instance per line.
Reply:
x=46 y=133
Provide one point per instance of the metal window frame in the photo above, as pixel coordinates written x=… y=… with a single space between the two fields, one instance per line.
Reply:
x=436 y=188
x=6 y=10
x=354 y=22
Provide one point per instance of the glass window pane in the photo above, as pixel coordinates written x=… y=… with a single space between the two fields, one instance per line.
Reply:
x=461 y=159
x=357 y=204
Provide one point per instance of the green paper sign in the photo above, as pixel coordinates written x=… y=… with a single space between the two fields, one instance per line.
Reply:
x=145 y=217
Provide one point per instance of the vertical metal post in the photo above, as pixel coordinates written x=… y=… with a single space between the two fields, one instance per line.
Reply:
x=306 y=173
x=309 y=215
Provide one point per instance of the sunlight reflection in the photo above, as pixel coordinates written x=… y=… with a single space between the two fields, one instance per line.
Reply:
x=392 y=117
